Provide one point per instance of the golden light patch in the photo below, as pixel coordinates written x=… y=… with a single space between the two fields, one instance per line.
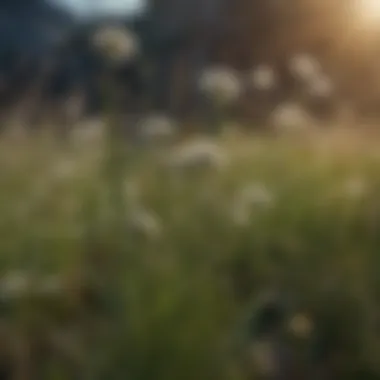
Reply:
x=369 y=10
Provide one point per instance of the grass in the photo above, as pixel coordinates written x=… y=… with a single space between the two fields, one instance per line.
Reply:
x=160 y=282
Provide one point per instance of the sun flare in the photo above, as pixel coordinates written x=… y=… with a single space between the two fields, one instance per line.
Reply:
x=369 y=9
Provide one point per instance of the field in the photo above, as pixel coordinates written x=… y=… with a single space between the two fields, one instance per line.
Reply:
x=158 y=261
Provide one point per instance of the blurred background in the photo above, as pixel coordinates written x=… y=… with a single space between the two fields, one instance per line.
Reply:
x=322 y=54
x=189 y=189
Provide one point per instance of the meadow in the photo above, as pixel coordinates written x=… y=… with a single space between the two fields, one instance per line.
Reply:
x=233 y=257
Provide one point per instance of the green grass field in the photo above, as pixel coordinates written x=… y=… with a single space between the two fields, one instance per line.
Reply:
x=148 y=265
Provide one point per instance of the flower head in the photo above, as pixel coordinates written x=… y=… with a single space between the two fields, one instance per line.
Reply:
x=263 y=78
x=355 y=187
x=291 y=117
x=198 y=154
x=250 y=198
x=144 y=222
x=90 y=132
x=304 y=67
x=221 y=85
x=156 y=128
x=116 y=43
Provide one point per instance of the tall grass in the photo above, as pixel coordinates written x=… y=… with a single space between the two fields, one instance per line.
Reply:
x=154 y=271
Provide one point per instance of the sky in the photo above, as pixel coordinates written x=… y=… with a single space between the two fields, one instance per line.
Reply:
x=87 y=8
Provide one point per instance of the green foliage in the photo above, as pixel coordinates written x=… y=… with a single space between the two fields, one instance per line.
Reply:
x=162 y=286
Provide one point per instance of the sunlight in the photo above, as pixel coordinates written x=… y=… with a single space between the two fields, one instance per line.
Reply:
x=369 y=10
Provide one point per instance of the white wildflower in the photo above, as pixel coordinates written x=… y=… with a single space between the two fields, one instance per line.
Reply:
x=198 y=154
x=304 y=67
x=116 y=43
x=355 y=187
x=221 y=85
x=263 y=78
x=291 y=117
x=250 y=199
x=144 y=222
x=15 y=284
x=90 y=132
x=257 y=193
x=156 y=128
